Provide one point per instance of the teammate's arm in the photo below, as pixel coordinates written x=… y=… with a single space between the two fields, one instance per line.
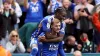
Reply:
x=55 y=39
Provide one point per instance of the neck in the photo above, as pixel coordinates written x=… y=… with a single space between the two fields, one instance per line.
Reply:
x=54 y=33
x=84 y=3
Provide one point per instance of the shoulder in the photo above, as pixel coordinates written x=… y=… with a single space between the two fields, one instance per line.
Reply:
x=78 y=7
x=47 y=18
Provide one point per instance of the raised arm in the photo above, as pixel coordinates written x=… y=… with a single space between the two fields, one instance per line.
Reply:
x=26 y=5
x=18 y=10
x=53 y=38
x=49 y=10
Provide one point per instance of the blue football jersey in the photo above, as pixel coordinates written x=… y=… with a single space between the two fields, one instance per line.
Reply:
x=49 y=49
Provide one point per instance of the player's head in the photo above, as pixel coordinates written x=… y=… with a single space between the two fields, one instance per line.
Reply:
x=55 y=25
x=77 y=53
x=60 y=13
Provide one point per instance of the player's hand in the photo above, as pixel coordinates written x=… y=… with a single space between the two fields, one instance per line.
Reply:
x=42 y=38
x=66 y=20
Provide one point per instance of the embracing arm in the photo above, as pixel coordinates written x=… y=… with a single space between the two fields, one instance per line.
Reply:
x=51 y=38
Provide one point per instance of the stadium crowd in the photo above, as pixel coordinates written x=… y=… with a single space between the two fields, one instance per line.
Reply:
x=66 y=25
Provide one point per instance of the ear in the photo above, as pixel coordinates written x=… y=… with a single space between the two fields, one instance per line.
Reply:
x=51 y=26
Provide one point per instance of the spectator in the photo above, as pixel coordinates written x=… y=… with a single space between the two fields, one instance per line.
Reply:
x=71 y=45
x=4 y=52
x=69 y=30
x=95 y=20
x=17 y=9
x=34 y=11
x=77 y=53
x=88 y=46
x=14 y=45
x=54 y=4
x=82 y=15
x=7 y=21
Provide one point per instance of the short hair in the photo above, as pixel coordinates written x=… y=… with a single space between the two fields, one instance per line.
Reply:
x=77 y=53
x=6 y=1
x=70 y=37
x=60 y=11
x=55 y=20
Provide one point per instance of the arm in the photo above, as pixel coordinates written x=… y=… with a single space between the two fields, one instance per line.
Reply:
x=10 y=47
x=26 y=5
x=49 y=10
x=76 y=15
x=18 y=10
x=21 y=47
x=56 y=39
x=13 y=17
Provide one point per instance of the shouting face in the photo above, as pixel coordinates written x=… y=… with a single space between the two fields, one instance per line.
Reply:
x=56 y=26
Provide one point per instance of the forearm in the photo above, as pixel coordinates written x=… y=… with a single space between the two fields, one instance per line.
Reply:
x=49 y=10
x=59 y=39
x=76 y=16
x=18 y=10
x=21 y=47
x=51 y=37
